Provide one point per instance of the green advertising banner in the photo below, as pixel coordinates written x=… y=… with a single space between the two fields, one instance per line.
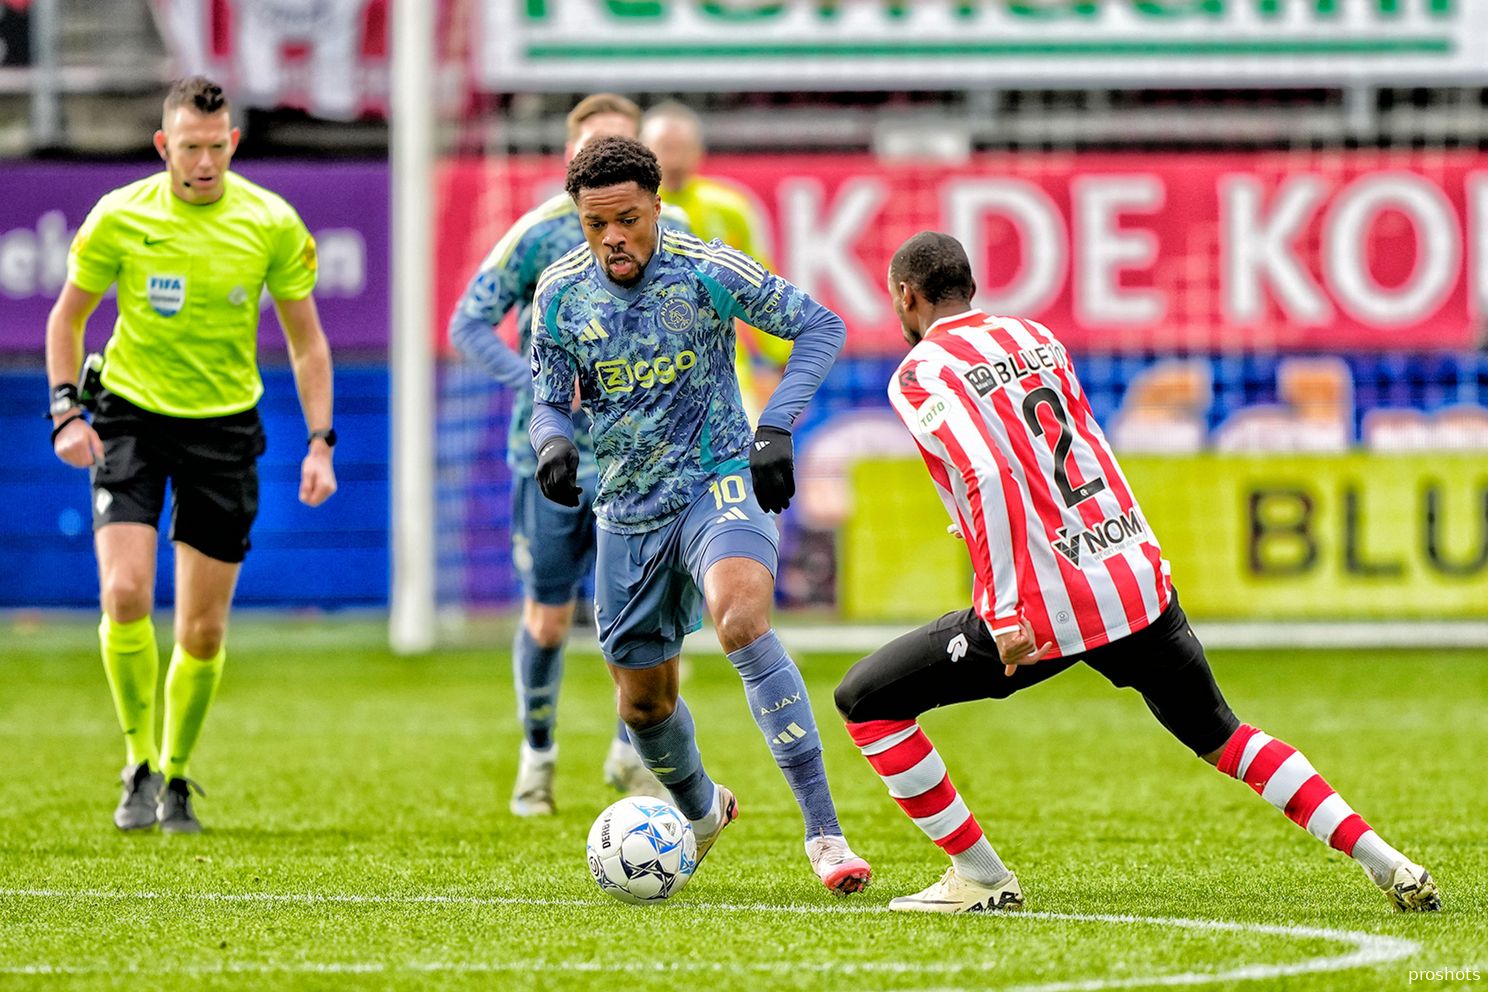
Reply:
x=899 y=44
x=1250 y=537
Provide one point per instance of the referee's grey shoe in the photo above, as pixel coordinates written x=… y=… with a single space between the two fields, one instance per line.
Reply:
x=136 y=810
x=175 y=812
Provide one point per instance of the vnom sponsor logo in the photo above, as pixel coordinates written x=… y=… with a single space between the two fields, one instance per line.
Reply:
x=1100 y=541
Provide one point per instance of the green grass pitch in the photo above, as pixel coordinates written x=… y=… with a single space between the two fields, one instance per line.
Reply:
x=358 y=835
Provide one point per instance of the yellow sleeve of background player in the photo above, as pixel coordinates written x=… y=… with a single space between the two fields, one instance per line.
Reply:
x=744 y=225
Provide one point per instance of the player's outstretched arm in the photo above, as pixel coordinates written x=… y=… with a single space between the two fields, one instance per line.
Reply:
x=310 y=358
x=472 y=327
x=74 y=440
x=819 y=337
x=551 y=429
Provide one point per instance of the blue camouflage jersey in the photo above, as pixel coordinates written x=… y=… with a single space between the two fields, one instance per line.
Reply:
x=654 y=364
x=507 y=279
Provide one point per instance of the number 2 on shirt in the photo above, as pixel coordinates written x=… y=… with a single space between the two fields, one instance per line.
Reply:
x=1044 y=395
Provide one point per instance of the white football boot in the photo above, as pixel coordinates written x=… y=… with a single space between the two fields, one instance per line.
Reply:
x=725 y=811
x=954 y=894
x=839 y=869
x=1411 y=889
x=533 y=793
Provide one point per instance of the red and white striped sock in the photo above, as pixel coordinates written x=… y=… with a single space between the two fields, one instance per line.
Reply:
x=1284 y=777
x=916 y=776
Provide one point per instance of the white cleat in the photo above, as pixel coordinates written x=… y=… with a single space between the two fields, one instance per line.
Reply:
x=839 y=869
x=625 y=771
x=1411 y=889
x=954 y=894
x=726 y=811
x=533 y=793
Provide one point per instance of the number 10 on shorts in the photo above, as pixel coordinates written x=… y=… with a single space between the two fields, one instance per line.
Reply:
x=727 y=490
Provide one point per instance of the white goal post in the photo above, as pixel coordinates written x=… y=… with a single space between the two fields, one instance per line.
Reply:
x=410 y=359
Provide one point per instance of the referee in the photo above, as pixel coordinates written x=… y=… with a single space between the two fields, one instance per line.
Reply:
x=191 y=249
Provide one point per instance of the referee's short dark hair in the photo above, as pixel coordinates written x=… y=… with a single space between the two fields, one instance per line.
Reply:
x=610 y=162
x=197 y=92
x=936 y=266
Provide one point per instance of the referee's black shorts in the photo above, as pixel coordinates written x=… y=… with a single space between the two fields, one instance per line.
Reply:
x=211 y=464
x=955 y=660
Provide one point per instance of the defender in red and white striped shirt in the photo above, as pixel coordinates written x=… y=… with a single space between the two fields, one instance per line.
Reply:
x=1020 y=463
x=1066 y=571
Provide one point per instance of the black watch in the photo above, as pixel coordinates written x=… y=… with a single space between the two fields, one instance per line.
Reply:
x=64 y=398
x=328 y=436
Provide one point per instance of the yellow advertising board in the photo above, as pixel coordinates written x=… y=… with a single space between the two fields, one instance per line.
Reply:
x=1290 y=536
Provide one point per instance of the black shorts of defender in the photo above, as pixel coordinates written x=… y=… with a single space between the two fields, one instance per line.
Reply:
x=955 y=660
x=211 y=464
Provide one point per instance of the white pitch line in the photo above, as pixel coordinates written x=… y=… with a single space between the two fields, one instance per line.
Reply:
x=1368 y=949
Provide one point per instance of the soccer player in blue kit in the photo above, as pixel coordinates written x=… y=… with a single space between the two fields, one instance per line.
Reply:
x=642 y=321
x=552 y=546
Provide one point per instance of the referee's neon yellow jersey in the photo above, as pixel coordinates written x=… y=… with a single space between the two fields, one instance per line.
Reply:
x=190 y=278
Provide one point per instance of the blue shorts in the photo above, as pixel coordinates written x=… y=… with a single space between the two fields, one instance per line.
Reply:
x=552 y=545
x=648 y=587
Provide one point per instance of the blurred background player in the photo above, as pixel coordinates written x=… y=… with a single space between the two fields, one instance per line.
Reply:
x=552 y=545
x=1066 y=570
x=715 y=208
x=642 y=320
x=181 y=389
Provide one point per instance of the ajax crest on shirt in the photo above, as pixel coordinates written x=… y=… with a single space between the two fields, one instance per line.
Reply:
x=166 y=294
x=678 y=315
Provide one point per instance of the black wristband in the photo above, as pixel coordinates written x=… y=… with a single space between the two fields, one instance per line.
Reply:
x=58 y=429
x=328 y=436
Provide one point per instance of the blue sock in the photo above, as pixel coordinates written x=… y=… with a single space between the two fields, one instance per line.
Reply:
x=622 y=732
x=537 y=671
x=777 y=698
x=670 y=750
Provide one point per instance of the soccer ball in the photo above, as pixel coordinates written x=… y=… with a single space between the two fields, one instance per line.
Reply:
x=642 y=850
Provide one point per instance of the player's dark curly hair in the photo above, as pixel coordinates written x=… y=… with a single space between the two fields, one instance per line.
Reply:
x=197 y=92
x=610 y=162
x=936 y=266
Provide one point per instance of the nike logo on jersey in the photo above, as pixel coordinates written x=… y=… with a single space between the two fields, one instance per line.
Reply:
x=155 y=241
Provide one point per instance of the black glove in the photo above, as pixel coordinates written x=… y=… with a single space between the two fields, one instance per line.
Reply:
x=772 y=464
x=558 y=471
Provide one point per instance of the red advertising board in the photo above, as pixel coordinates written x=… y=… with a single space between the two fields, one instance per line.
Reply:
x=1254 y=251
